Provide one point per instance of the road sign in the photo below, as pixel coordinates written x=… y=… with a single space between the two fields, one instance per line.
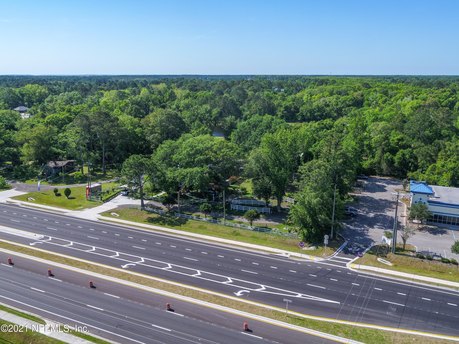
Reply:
x=326 y=237
x=287 y=301
x=301 y=244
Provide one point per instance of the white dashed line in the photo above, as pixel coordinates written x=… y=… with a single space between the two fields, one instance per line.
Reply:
x=94 y=307
x=173 y=246
x=356 y=284
x=67 y=224
x=138 y=247
x=293 y=271
x=111 y=295
x=452 y=304
x=105 y=232
x=273 y=267
x=426 y=299
x=250 y=272
x=316 y=286
x=251 y=335
x=220 y=256
x=39 y=290
x=144 y=240
x=333 y=279
x=204 y=252
x=15 y=220
x=195 y=260
x=254 y=263
x=92 y=237
x=8 y=266
x=237 y=259
x=91 y=229
x=377 y=289
x=188 y=249
x=157 y=243
x=394 y=303
x=312 y=275
x=403 y=294
x=338 y=270
x=161 y=328
x=55 y=279
x=130 y=237
x=51 y=228
x=116 y=234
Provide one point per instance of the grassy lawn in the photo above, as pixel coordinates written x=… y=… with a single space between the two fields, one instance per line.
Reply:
x=212 y=229
x=77 y=200
x=365 y=335
x=22 y=314
x=405 y=263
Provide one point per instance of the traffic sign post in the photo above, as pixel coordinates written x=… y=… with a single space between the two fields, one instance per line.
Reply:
x=287 y=301
x=326 y=237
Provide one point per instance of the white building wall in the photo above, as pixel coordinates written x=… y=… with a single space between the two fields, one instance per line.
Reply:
x=444 y=210
x=419 y=198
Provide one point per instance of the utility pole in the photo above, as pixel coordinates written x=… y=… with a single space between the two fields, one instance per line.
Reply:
x=394 y=229
x=224 y=206
x=333 y=214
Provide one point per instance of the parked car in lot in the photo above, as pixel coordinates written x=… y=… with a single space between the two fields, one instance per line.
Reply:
x=350 y=211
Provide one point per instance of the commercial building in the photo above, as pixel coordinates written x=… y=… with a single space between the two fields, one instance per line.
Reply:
x=443 y=202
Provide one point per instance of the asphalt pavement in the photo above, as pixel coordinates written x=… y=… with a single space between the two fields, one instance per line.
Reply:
x=126 y=314
x=325 y=289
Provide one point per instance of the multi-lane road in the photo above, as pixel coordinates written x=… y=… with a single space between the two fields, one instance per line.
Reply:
x=325 y=289
x=126 y=314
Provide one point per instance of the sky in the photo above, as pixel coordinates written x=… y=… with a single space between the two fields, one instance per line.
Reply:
x=325 y=37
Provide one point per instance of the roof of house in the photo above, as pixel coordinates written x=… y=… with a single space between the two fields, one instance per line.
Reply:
x=21 y=108
x=59 y=163
x=445 y=194
x=420 y=188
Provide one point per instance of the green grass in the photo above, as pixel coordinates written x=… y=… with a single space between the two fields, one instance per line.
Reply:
x=22 y=314
x=25 y=337
x=406 y=263
x=77 y=200
x=216 y=230
x=364 y=335
x=247 y=184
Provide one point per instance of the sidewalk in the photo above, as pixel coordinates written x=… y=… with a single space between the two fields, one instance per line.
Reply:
x=50 y=329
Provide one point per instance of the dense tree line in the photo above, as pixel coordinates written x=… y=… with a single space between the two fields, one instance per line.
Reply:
x=296 y=135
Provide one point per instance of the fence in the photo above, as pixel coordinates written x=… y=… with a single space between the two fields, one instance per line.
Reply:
x=220 y=222
x=264 y=210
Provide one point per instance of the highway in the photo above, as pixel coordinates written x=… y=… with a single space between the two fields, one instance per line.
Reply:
x=324 y=289
x=126 y=314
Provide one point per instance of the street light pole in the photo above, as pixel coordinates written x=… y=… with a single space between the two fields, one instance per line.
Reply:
x=394 y=229
x=224 y=207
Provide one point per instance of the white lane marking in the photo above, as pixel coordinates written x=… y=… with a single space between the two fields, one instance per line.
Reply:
x=255 y=263
x=51 y=228
x=67 y=224
x=356 y=284
x=94 y=307
x=116 y=234
x=92 y=237
x=251 y=335
x=144 y=240
x=111 y=295
x=316 y=286
x=36 y=289
x=377 y=289
x=180 y=315
x=130 y=237
x=15 y=220
x=161 y=328
x=237 y=259
x=45 y=220
x=91 y=229
x=338 y=270
x=79 y=226
x=312 y=275
x=188 y=249
x=138 y=247
x=292 y=271
x=403 y=294
x=105 y=232
x=273 y=267
x=220 y=256
x=204 y=252
x=394 y=303
x=328 y=269
x=157 y=243
x=34 y=217
x=349 y=273
x=194 y=260
x=452 y=304
x=55 y=279
x=24 y=215
x=173 y=246
x=250 y=272
x=426 y=299
x=333 y=279
x=56 y=221
x=9 y=266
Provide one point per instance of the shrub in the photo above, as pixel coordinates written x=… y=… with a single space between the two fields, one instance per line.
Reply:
x=56 y=191
x=453 y=261
x=429 y=257
x=388 y=234
x=445 y=260
x=67 y=192
x=455 y=247
x=3 y=183
x=420 y=256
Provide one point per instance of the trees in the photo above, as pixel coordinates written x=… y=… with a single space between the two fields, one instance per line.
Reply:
x=406 y=232
x=162 y=125
x=251 y=215
x=420 y=212
x=455 y=247
x=67 y=192
x=205 y=208
x=136 y=169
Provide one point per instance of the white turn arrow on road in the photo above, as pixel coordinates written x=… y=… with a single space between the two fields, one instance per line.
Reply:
x=241 y=292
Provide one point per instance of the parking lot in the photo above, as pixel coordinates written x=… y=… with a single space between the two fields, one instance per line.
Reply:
x=375 y=214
